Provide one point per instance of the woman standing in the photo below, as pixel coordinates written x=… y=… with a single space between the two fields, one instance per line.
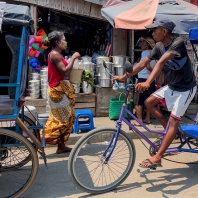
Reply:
x=146 y=45
x=60 y=93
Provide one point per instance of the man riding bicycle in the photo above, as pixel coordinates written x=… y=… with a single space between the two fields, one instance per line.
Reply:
x=174 y=62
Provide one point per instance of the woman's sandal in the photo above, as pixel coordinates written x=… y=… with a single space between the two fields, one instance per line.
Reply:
x=152 y=165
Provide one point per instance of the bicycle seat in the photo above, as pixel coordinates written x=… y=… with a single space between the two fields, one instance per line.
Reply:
x=191 y=130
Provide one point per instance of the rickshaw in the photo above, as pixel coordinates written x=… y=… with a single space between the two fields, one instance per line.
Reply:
x=19 y=140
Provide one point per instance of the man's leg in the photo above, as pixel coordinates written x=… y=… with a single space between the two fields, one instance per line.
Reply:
x=172 y=130
x=151 y=104
x=138 y=110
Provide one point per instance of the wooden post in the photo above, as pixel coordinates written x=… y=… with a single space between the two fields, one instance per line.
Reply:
x=34 y=15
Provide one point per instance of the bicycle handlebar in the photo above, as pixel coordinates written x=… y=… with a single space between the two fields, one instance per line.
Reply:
x=116 y=85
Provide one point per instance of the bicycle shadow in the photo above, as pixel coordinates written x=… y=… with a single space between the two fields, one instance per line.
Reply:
x=173 y=181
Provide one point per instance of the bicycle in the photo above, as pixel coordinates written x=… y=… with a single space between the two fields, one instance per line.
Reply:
x=103 y=158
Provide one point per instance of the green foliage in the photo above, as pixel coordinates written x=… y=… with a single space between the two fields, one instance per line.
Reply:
x=87 y=76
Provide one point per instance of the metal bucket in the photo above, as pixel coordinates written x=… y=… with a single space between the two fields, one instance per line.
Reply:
x=88 y=66
x=87 y=88
x=120 y=60
x=119 y=71
x=34 y=82
x=105 y=82
x=99 y=60
x=86 y=59
x=44 y=72
x=77 y=87
x=109 y=66
x=104 y=75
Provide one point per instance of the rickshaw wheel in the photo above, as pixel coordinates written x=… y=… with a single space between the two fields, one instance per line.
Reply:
x=27 y=122
x=16 y=181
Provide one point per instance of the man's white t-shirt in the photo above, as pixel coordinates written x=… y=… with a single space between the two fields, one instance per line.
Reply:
x=145 y=73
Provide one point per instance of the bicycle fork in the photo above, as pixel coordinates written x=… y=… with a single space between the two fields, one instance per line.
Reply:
x=112 y=144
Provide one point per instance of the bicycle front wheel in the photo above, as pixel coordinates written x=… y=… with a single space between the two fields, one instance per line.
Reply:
x=86 y=164
x=14 y=148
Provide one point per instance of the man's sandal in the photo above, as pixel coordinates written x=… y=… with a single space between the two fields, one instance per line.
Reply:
x=152 y=165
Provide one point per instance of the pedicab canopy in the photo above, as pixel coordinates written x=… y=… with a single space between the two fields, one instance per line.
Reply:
x=136 y=14
x=16 y=15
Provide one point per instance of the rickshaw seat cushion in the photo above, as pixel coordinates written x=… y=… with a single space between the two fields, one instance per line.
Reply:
x=191 y=130
x=6 y=105
x=13 y=42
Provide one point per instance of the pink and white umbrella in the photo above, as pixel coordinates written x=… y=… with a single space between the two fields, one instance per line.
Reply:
x=136 y=14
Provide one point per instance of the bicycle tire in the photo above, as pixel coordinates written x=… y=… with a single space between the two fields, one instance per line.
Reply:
x=88 y=138
x=37 y=135
x=23 y=141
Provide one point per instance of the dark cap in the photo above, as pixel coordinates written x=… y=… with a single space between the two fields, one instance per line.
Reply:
x=162 y=22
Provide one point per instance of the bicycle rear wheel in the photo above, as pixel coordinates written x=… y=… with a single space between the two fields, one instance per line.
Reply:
x=14 y=148
x=86 y=162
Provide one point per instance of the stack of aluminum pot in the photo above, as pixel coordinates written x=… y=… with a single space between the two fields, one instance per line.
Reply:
x=44 y=81
x=34 y=85
x=102 y=78
x=119 y=62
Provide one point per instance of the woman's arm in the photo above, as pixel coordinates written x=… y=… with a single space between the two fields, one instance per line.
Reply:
x=56 y=59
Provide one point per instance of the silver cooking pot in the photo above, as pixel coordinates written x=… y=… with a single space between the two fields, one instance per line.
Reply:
x=86 y=59
x=99 y=60
x=88 y=66
x=109 y=66
x=120 y=60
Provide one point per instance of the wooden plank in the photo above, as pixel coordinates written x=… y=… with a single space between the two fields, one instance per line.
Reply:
x=119 y=42
x=35 y=102
x=85 y=98
x=80 y=6
x=33 y=1
x=73 y=6
x=94 y=10
x=50 y=3
x=41 y=110
x=84 y=105
x=39 y=2
x=87 y=7
x=116 y=41
x=92 y=109
x=99 y=13
x=99 y=2
x=65 y=5
x=58 y=4
x=124 y=42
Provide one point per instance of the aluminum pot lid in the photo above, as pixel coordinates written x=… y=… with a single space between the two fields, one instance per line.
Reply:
x=121 y=56
x=88 y=63
x=102 y=57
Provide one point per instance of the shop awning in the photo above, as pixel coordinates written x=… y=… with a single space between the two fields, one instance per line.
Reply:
x=136 y=14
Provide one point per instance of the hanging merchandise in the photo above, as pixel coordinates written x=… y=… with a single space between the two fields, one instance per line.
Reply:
x=35 y=44
x=34 y=63
x=108 y=50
